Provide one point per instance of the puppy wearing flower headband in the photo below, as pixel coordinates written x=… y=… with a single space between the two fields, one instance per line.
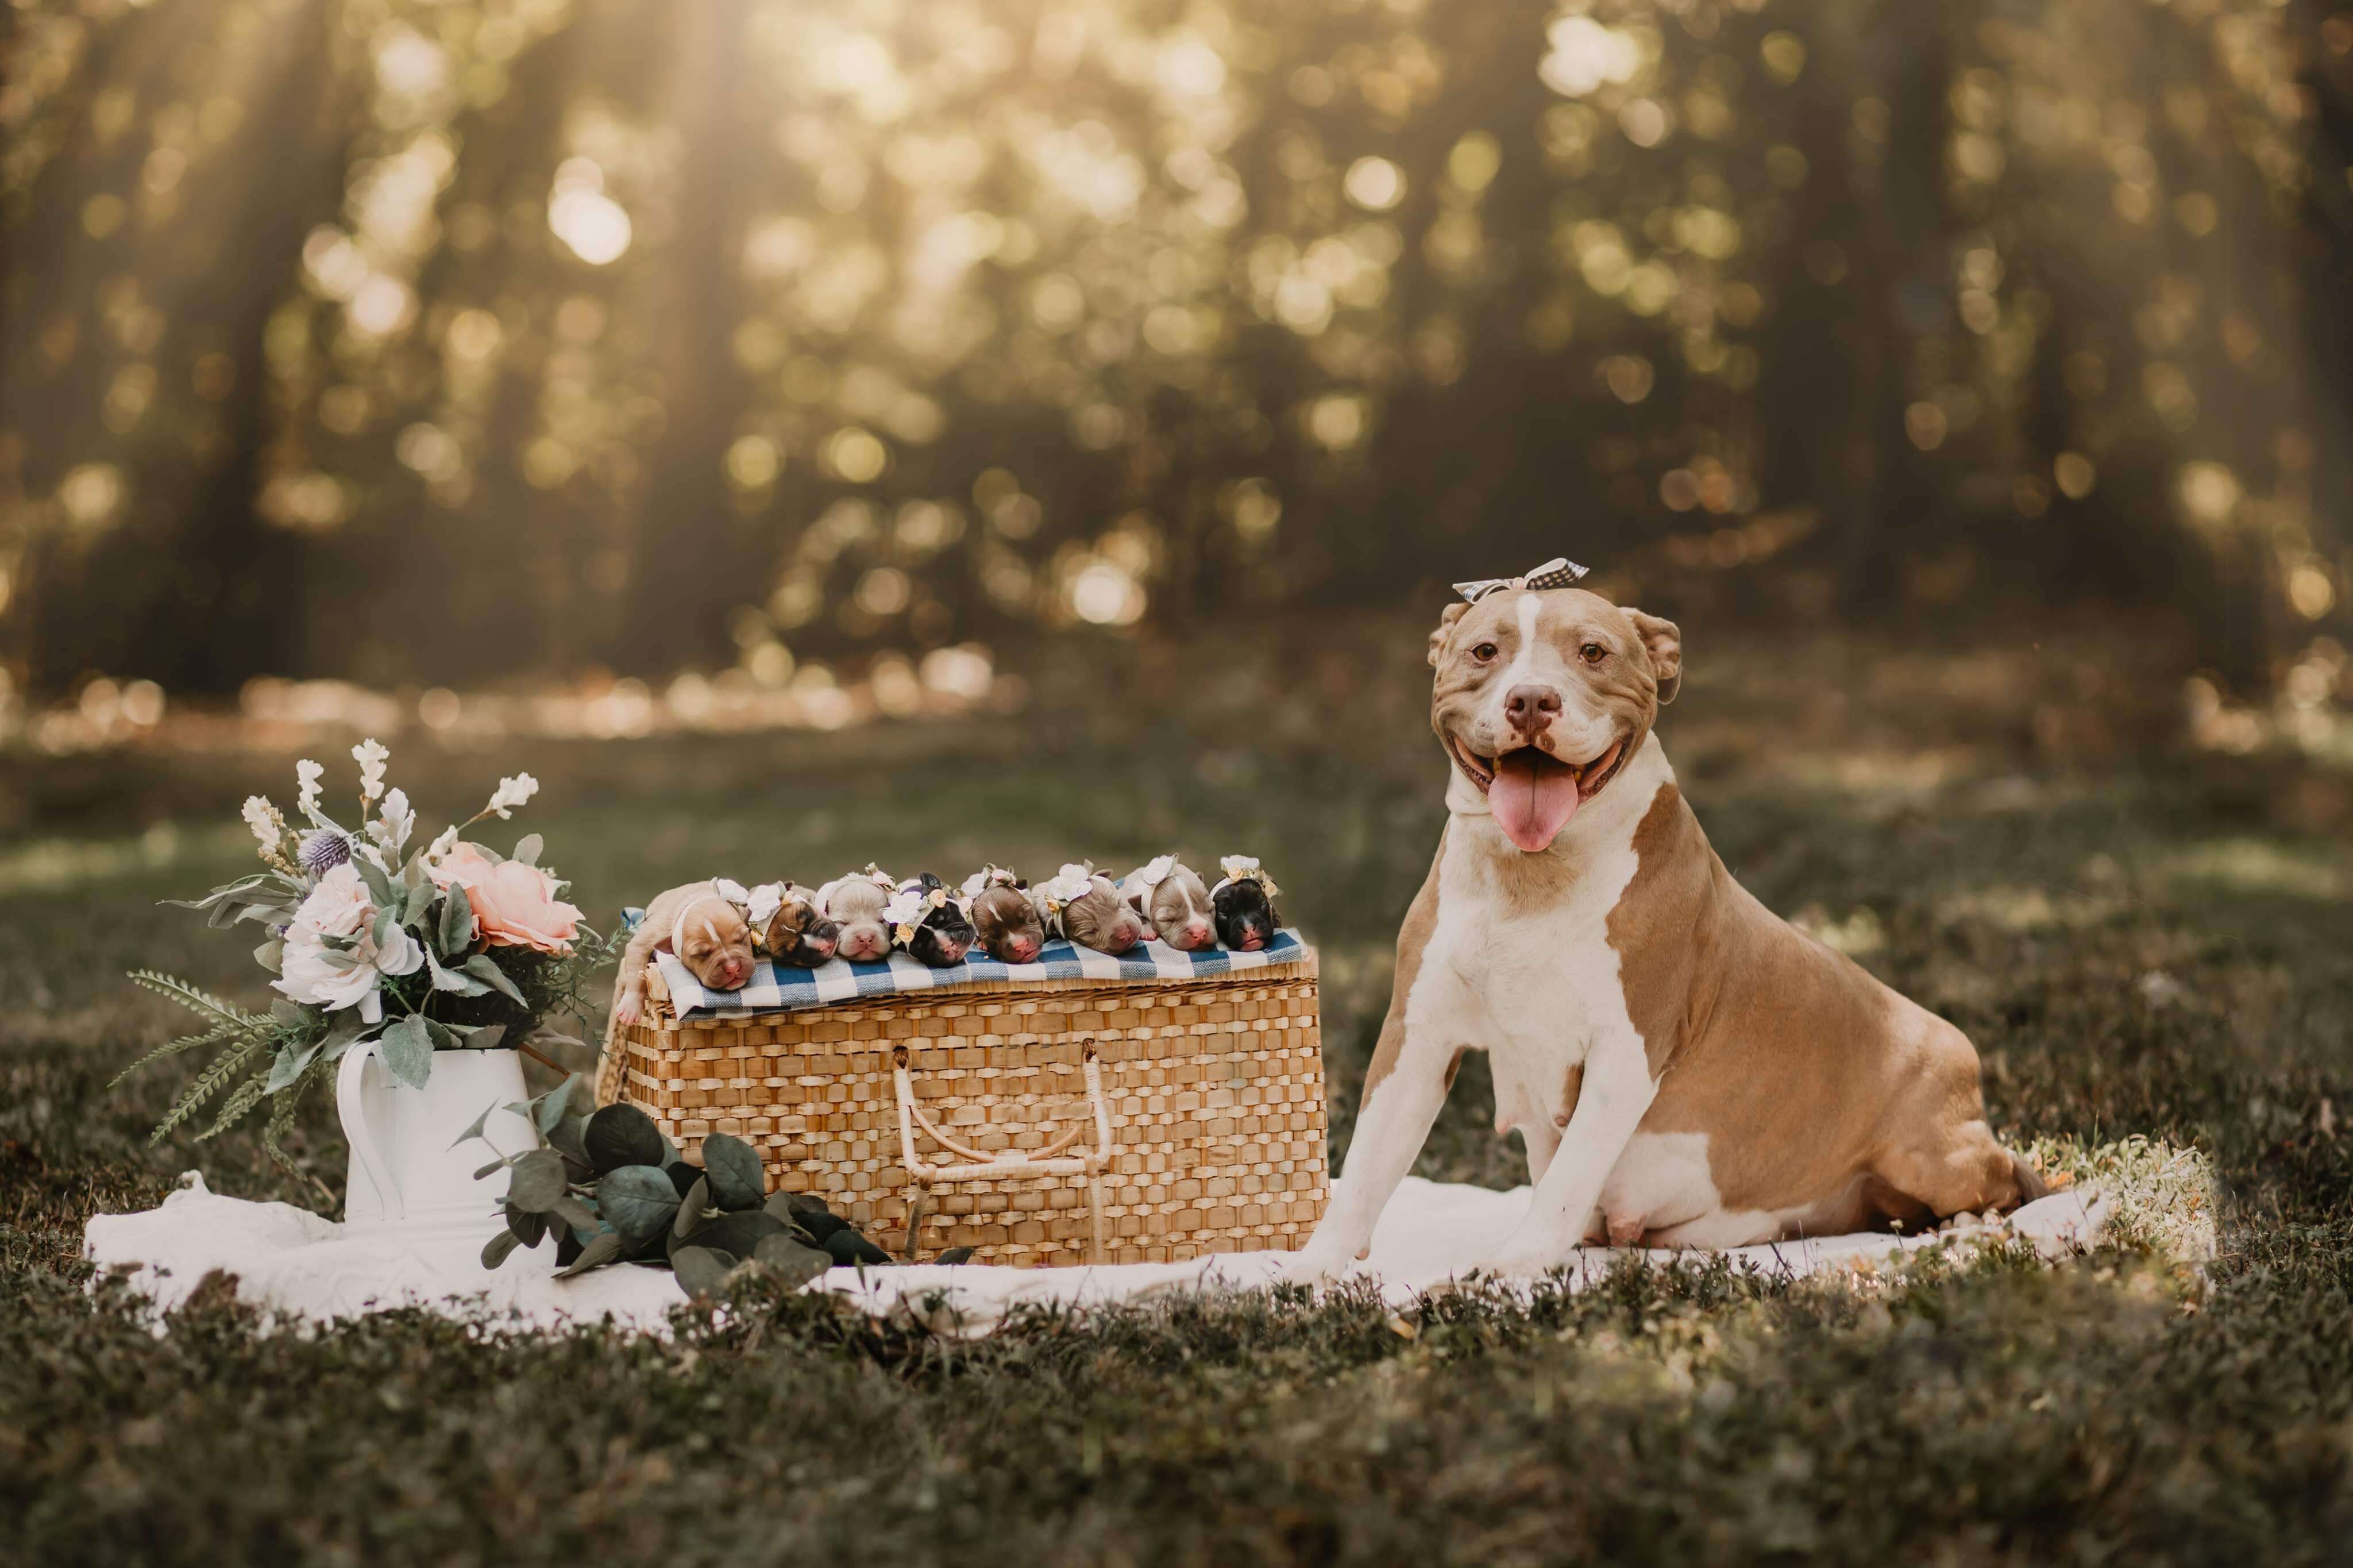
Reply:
x=1173 y=898
x=927 y=921
x=710 y=926
x=1684 y=1068
x=854 y=902
x=1080 y=903
x=1004 y=922
x=1242 y=904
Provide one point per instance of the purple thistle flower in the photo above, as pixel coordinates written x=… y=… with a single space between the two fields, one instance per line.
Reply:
x=323 y=849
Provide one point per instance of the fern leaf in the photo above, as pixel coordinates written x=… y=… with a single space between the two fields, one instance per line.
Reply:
x=281 y=1117
x=190 y=997
x=213 y=1036
x=247 y=1096
x=207 y=1084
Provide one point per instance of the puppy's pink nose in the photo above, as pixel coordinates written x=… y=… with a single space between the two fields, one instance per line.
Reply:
x=1532 y=708
x=821 y=945
x=1198 y=934
x=1024 y=948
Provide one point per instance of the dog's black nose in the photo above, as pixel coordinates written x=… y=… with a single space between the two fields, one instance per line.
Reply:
x=1532 y=708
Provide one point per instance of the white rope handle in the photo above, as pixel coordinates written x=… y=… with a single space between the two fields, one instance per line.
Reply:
x=981 y=1167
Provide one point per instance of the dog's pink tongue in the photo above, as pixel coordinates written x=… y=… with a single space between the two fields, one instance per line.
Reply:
x=1533 y=798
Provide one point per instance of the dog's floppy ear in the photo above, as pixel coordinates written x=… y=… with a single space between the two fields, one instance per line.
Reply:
x=1664 y=643
x=1445 y=629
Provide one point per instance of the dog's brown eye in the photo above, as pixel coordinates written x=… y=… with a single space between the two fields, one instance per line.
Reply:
x=1593 y=653
x=1485 y=651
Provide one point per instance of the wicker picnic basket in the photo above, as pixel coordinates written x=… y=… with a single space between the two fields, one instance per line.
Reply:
x=1039 y=1122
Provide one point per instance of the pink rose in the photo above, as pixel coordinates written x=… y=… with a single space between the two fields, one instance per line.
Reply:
x=514 y=904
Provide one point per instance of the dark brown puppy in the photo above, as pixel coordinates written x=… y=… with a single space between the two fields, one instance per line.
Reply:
x=1003 y=919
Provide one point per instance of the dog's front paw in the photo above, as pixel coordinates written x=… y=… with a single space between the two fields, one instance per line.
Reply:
x=1312 y=1264
x=1529 y=1257
x=626 y=1010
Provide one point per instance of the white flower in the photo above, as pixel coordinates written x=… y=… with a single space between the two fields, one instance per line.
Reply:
x=335 y=978
x=1158 y=871
x=308 y=774
x=988 y=877
x=259 y=817
x=391 y=830
x=761 y=905
x=510 y=794
x=371 y=756
x=442 y=844
x=1244 y=869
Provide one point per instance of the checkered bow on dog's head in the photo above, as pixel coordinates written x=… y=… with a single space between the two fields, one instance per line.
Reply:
x=1559 y=571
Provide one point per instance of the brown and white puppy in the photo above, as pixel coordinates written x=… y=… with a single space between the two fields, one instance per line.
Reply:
x=1686 y=1068
x=854 y=903
x=800 y=935
x=704 y=927
x=1082 y=903
x=1003 y=921
x=1171 y=896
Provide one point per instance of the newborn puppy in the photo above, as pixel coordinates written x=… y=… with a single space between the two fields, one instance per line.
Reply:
x=1171 y=896
x=927 y=921
x=1004 y=922
x=800 y=935
x=1082 y=903
x=1242 y=904
x=705 y=926
x=854 y=903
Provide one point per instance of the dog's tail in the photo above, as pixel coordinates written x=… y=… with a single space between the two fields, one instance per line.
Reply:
x=2030 y=1184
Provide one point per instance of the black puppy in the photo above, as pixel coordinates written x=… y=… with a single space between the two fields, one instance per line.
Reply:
x=1243 y=905
x=926 y=920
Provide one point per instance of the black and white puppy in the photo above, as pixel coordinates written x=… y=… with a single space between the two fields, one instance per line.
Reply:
x=927 y=920
x=800 y=935
x=1242 y=904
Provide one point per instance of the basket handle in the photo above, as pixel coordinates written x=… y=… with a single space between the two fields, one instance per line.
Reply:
x=978 y=1166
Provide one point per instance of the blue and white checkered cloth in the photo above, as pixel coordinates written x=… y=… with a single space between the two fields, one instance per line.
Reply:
x=774 y=986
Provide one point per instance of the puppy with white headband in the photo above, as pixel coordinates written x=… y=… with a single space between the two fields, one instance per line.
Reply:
x=709 y=926
x=1242 y=904
x=1004 y=922
x=928 y=922
x=1173 y=898
x=1082 y=904
x=854 y=902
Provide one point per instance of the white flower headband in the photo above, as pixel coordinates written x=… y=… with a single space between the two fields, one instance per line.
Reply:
x=880 y=878
x=1244 y=869
x=988 y=877
x=908 y=908
x=1068 y=886
x=1157 y=873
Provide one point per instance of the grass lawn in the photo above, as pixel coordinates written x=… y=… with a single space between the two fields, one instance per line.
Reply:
x=2143 y=943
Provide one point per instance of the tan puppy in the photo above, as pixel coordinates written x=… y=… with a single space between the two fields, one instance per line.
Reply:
x=1686 y=1068
x=1173 y=898
x=706 y=930
x=854 y=902
x=1080 y=903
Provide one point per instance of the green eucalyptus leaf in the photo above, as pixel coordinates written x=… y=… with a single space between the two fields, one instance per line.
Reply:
x=447 y=979
x=417 y=902
x=457 y=921
x=527 y=848
x=621 y=1135
x=691 y=1210
x=407 y=1050
x=289 y=1065
x=601 y=1249
x=388 y=929
x=474 y=1129
x=568 y=1138
x=482 y=968
x=740 y=1234
x=538 y=1180
x=701 y=1273
x=496 y=1251
x=733 y=1171
x=379 y=885
x=445 y=1038
x=528 y=1225
x=955 y=1255
x=791 y=1261
x=574 y=1213
x=271 y=955
x=550 y=1106
x=496 y=1165
x=637 y=1201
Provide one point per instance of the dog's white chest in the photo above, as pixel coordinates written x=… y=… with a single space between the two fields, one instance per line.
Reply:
x=1529 y=944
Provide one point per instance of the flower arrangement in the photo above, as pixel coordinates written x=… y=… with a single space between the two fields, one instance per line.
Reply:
x=446 y=947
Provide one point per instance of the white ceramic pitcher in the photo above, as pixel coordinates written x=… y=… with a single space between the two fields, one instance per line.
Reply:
x=406 y=1174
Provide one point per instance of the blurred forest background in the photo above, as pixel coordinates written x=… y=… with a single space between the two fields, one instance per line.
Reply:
x=744 y=347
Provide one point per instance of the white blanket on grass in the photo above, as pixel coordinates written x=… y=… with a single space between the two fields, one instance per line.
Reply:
x=302 y=1269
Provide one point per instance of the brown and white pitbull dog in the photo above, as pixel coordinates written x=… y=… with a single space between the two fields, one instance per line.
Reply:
x=1686 y=1067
